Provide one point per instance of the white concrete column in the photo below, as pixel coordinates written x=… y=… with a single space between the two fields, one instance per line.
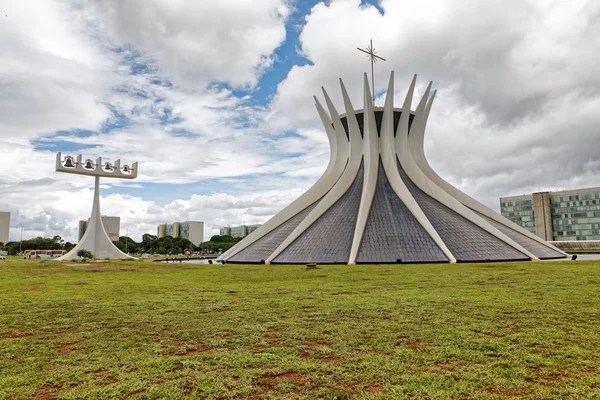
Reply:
x=394 y=149
x=345 y=181
x=95 y=239
x=371 y=167
x=432 y=189
x=337 y=161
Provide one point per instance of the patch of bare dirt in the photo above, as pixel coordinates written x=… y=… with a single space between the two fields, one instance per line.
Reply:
x=445 y=367
x=309 y=346
x=558 y=375
x=374 y=389
x=272 y=339
x=95 y=268
x=271 y=379
x=46 y=392
x=313 y=345
x=550 y=379
x=190 y=352
x=16 y=335
x=103 y=377
x=68 y=347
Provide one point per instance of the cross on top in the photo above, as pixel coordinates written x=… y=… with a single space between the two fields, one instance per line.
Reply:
x=370 y=51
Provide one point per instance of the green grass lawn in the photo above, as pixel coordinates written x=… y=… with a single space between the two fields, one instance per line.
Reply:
x=149 y=330
x=13 y=258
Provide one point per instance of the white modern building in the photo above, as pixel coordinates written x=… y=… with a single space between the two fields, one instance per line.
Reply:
x=190 y=230
x=4 y=226
x=379 y=200
x=112 y=226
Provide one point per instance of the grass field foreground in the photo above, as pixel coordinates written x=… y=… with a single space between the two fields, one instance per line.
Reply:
x=150 y=330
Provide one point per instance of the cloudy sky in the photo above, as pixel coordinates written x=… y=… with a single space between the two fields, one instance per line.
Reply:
x=214 y=99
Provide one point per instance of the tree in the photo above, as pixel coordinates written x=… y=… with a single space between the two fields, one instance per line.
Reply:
x=57 y=239
x=83 y=253
x=149 y=243
x=216 y=239
x=127 y=244
x=217 y=243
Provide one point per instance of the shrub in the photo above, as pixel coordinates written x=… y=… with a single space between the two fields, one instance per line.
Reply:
x=83 y=253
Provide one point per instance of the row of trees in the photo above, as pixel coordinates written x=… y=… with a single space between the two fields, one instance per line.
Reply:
x=39 y=243
x=150 y=244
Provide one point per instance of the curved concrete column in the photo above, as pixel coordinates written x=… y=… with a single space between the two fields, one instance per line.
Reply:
x=393 y=149
x=345 y=181
x=304 y=234
x=430 y=188
x=417 y=139
x=338 y=157
x=371 y=165
x=95 y=239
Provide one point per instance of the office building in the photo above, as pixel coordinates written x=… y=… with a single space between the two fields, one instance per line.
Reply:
x=238 y=231
x=190 y=230
x=560 y=216
x=112 y=226
x=4 y=226
x=379 y=200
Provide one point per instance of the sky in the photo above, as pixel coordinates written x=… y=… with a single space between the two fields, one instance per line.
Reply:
x=214 y=100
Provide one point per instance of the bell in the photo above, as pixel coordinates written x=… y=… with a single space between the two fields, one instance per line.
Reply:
x=69 y=162
x=126 y=169
x=89 y=164
x=108 y=167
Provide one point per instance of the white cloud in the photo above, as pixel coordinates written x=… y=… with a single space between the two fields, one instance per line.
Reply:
x=63 y=205
x=51 y=75
x=517 y=84
x=196 y=42
x=516 y=108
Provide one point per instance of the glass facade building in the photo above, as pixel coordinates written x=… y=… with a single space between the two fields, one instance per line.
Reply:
x=238 y=231
x=191 y=230
x=561 y=216
x=519 y=211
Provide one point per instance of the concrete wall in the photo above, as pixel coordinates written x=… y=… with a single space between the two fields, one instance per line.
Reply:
x=112 y=225
x=196 y=232
x=577 y=245
x=81 y=231
x=4 y=226
x=543 y=215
